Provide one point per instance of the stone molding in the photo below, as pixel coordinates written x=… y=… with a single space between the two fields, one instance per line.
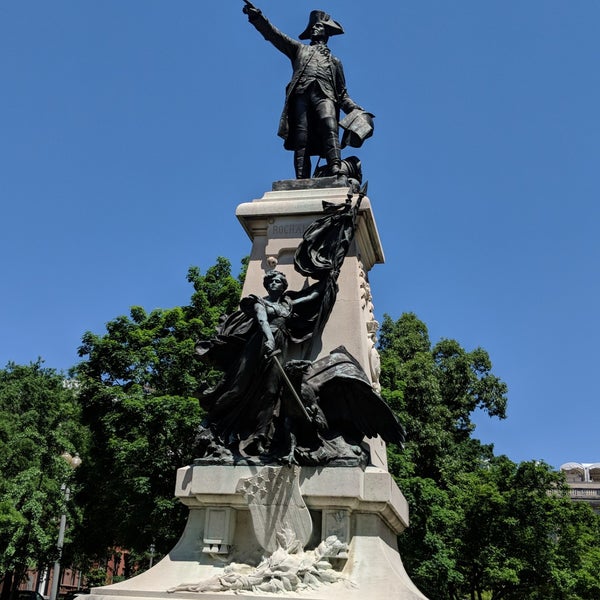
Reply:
x=341 y=488
x=255 y=216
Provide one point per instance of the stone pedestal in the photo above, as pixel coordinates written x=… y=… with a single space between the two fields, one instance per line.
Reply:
x=275 y=223
x=365 y=510
x=265 y=523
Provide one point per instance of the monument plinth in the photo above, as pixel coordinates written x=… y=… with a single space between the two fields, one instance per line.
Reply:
x=276 y=223
x=267 y=529
x=222 y=547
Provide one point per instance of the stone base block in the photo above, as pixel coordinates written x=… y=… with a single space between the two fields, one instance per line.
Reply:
x=364 y=510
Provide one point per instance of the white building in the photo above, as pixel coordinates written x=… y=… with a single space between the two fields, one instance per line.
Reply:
x=584 y=481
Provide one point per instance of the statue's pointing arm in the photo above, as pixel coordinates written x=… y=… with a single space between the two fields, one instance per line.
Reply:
x=280 y=40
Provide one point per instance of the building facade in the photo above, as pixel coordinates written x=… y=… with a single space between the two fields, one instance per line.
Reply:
x=584 y=481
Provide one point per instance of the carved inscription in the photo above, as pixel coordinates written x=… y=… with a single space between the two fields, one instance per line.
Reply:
x=289 y=230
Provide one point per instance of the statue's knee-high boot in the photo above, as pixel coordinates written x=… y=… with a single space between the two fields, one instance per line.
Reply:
x=331 y=145
x=302 y=163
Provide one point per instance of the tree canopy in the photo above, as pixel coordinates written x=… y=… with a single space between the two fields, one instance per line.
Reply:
x=138 y=385
x=39 y=420
x=482 y=526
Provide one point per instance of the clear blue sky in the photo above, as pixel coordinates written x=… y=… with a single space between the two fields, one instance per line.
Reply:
x=130 y=130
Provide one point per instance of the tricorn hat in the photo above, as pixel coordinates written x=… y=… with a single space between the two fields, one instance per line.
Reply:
x=320 y=16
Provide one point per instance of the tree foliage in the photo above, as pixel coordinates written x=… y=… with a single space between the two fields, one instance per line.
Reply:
x=39 y=420
x=481 y=526
x=435 y=391
x=138 y=382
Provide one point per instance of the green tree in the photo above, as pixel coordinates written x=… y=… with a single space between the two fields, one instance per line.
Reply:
x=521 y=536
x=435 y=391
x=482 y=527
x=579 y=551
x=138 y=386
x=39 y=420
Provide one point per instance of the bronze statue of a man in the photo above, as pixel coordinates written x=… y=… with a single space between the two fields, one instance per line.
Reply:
x=315 y=94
